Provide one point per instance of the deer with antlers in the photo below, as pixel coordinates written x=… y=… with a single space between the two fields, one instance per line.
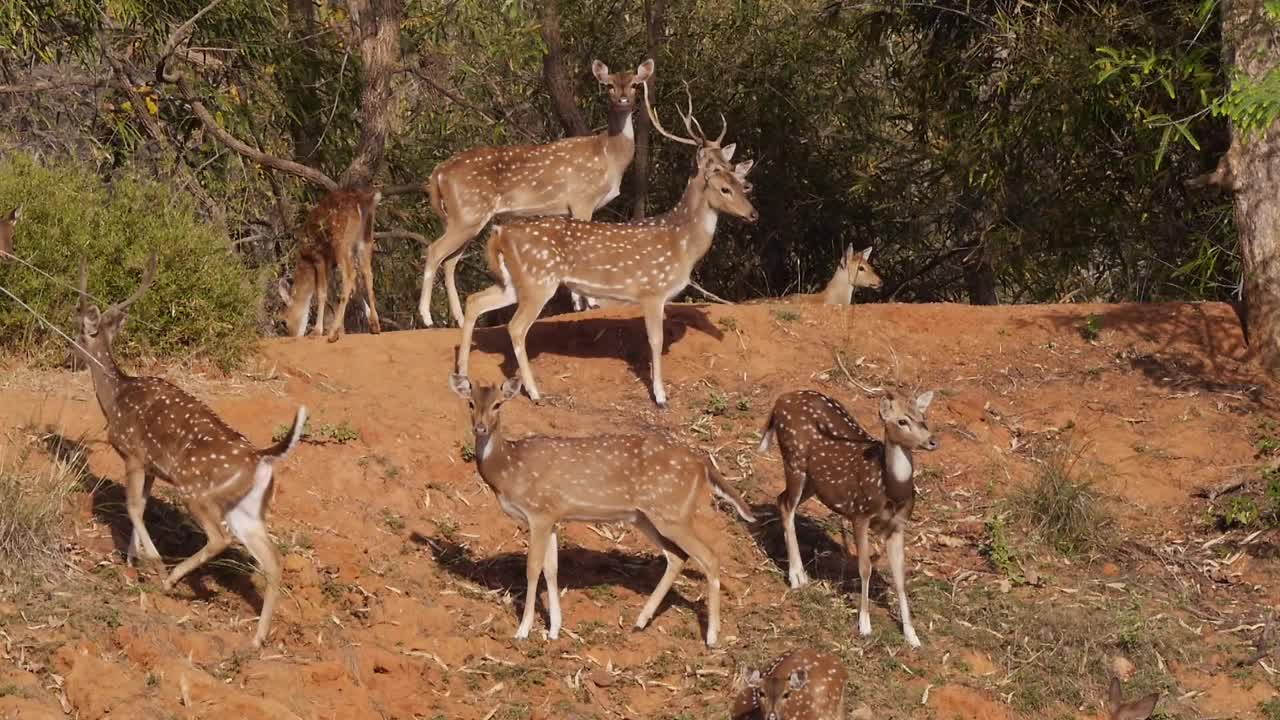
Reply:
x=338 y=231
x=161 y=431
x=543 y=481
x=646 y=262
x=802 y=684
x=574 y=176
x=825 y=452
x=7 y=227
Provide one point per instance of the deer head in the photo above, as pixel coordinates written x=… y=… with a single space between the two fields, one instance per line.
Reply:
x=857 y=267
x=727 y=192
x=622 y=85
x=7 y=226
x=1140 y=709
x=904 y=422
x=485 y=401
x=772 y=691
x=98 y=328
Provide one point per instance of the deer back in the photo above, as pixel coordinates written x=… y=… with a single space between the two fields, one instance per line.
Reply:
x=801 y=685
x=338 y=222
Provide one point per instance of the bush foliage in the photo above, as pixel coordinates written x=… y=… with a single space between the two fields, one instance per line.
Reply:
x=202 y=304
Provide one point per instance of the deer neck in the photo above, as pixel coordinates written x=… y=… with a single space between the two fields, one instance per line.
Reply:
x=492 y=459
x=107 y=378
x=621 y=138
x=839 y=290
x=695 y=215
x=898 y=468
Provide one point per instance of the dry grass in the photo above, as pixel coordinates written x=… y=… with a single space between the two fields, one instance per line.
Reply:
x=1060 y=504
x=34 y=490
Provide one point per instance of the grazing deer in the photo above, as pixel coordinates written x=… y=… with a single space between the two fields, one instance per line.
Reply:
x=1118 y=709
x=338 y=230
x=825 y=452
x=647 y=262
x=648 y=482
x=574 y=176
x=800 y=685
x=161 y=431
x=7 y=226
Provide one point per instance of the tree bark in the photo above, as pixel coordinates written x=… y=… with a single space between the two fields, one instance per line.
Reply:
x=305 y=98
x=377 y=24
x=1248 y=45
x=563 y=100
x=974 y=216
x=654 y=12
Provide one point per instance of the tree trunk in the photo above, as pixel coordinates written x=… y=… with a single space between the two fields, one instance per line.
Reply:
x=973 y=218
x=1255 y=170
x=980 y=277
x=563 y=100
x=307 y=106
x=654 y=11
x=377 y=24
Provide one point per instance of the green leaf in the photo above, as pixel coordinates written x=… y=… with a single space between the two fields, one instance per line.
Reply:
x=1164 y=144
x=1186 y=135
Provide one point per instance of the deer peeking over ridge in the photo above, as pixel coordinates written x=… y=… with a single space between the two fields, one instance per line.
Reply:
x=648 y=482
x=160 y=431
x=825 y=452
x=573 y=176
x=853 y=272
x=338 y=231
x=7 y=226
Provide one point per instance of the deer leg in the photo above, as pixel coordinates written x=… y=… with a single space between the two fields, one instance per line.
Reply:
x=895 y=548
x=538 y=539
x=550 y=565
x=479 y=303
x=136 y=504
x=653 y=328
x=861 y=535
x=215 y=542
x=683 y=534
x=675 y=564
x=451 y=287
x=447 y=246
x=322 y=297
x=348 y=275
x=135 y=539
x=788 y=502
x=254 y=536
x=531 y=304
x=366 y=272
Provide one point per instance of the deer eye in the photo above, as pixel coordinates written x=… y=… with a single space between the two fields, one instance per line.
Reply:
x=902 y=422
x=724 y=190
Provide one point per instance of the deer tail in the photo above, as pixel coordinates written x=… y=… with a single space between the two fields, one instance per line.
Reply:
x=766 y=436
x=282 y=448
x=433 y=191
x=496 y=257
x=725 y=491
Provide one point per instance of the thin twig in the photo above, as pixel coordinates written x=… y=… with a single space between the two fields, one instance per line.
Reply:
x=51 y=326
x=710 y=295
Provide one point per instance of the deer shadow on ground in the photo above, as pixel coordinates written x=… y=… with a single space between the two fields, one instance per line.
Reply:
x=825 y=558
x=596 y=337
x=172 y=530
x=579 y=569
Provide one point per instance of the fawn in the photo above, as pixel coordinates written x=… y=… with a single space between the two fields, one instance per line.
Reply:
x=825 y=452
x=648 y=482
x=800 y=685
x=1118 y=709
x=161 y=431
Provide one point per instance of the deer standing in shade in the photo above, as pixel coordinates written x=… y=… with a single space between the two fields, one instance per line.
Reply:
x=574 y=176
x=338 y=231
x=825 y=452
x=161 y=431
x=543 y=481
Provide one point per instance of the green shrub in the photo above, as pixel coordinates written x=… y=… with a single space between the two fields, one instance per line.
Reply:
x=202 y=304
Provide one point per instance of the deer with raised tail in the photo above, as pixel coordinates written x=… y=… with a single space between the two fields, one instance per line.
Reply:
x=646 y=262
x=800 y=685
x=338 y=231
x=574 y=176
x=160 y=431
x=7 y=226
x=825 y=452
x=543 y=481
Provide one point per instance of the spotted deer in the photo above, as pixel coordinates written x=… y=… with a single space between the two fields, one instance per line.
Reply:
x=543 y=481
x=853 y=272
x=160 y=431
x=573 y=176
x=868 y=481
x=7 y=227
x=800 y=685
x=338 y=231
x=646 y=262
x=1118 y=709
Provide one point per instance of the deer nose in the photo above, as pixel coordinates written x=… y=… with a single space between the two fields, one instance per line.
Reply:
x=933 y=443
x=754 y=215
x=481 y=429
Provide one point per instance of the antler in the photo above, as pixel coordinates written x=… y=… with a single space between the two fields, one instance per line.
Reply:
x=657 y=124
x=84 y=288
x=147 y=277
x=694 y=127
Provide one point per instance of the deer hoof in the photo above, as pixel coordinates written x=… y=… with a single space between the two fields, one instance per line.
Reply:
x=798 y=579
x=375 y=327
x=912 y=640
x=864 y=626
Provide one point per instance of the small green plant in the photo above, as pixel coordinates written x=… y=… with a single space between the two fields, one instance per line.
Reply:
x=467 y=451
x=717 y=403
x=744 y=404
x=1239 y=512
x=393 y=521
x=1270 y=709
x=1060 y=504
x=341 y=433
x=786 y=315
x=1092 y=327
x=997 y=549
x=728 y=323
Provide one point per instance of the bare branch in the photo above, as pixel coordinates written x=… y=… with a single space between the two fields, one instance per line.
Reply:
x=462 y=102
x=46 y=85
x=183 y=31
x=398 y=234
x=406 y=189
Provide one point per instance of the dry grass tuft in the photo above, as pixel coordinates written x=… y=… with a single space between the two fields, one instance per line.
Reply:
x=34 y=490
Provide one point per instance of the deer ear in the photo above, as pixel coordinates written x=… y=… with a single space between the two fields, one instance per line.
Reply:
x=886 y=407
x=90 y=320
x=460 y=385
x=1113 y=695
x=922 y=402
x=741 y=169
x=286 y=292
x=753 y=680
x=727 y=151
x=1139 y=709
x=16 y=215
x=799 y=678
x=601 y=71
x=644 y=71
x=866 y=254
x=510 y=388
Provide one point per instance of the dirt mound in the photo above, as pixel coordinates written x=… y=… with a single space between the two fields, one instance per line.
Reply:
x=404 y=578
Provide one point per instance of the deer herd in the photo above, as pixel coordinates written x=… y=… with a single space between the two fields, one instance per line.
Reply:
x=539 y=200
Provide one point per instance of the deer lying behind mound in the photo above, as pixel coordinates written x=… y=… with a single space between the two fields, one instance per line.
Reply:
x=800 y=685
x=826 y=453
x=648 y=482
x=853 y=272
x=161 y=431
x=338 y=230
